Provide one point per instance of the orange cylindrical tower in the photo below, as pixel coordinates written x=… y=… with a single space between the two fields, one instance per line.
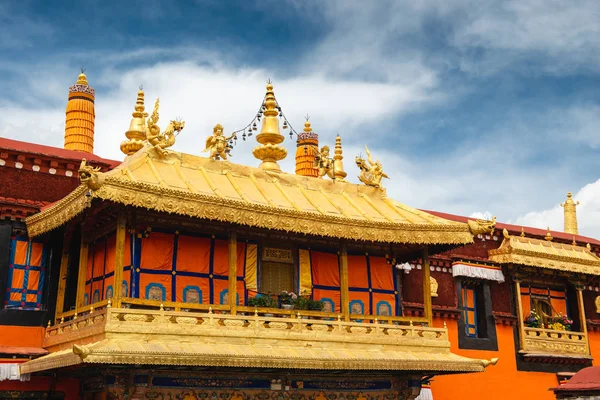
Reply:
x=308 y=147
x=79 y=127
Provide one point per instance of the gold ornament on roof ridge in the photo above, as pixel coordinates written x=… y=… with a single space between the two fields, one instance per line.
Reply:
x=161 y=141
x=481 y=226
x=338 y=165
x=522 y=231
x=90 y=176
x=217 y=144
x=371 y=172
x=136 y=135
x=548 y=236
x=570 y=214
x=269 y=151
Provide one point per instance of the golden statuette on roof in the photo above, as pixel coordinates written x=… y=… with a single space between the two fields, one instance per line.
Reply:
x=324 y=163
x=371 y=172
x=218 y=144
x=163 y=140
x=481 y=226
x=90 y=176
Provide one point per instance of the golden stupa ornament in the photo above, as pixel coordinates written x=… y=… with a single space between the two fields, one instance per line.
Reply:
x=269 y=151
x=161 y=141
x=548 y=236
x=371 y=172
x=338 y=165
x=136 y=135
x=218 y=145
x=570 y=211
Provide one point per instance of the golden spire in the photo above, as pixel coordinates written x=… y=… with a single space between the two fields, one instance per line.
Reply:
x=269 y=151
x=338 y=166
x=570 y=211
x=136 y=135
x=522 y=232
x=80 y=113
x=306 y=150
x=574 y=241
x=548 y=235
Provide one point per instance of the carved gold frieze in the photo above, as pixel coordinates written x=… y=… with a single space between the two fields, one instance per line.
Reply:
x=160 y=337
x=553 y=342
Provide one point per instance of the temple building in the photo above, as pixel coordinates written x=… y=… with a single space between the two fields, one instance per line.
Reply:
x=174 y=275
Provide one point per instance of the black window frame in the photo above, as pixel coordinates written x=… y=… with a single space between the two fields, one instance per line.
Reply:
x=486 y=326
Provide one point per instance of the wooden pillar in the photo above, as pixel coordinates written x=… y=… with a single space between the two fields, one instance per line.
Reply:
x=62 y=281
x=582 y=320
x=83 y=261
x=520 y=313
x=232 y=277
x=344 y=294
x=119 y=258
x=427 y=312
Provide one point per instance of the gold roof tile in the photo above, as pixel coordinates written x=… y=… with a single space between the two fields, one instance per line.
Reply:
x=546 y=254
x=220 y=190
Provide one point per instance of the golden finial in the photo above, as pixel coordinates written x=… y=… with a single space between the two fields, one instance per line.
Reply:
x=570 y=212
x=136 y=135
x=82 y=79
x=162 y=307
x=91 y=309
x=338 y=165
x=505 y=233
x=109 y=304
x=574 y=242
x=548 y=235
x=307 y=127
x=62 y=320
x=587 y=246
x=445 y=325
x=269 y=151
x=49 y=324
x=522 y=232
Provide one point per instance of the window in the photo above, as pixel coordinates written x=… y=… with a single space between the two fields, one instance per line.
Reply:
x=276 y=277
x=476 y=327
x=469 y=310
x=25 y=274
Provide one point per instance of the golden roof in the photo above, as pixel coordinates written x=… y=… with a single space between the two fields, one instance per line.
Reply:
x=151 y=337
x=219 y=190
x=545 y=254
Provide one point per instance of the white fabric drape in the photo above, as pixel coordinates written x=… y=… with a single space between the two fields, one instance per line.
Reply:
x=425 y=394
x=11 y=372
x=478 y=271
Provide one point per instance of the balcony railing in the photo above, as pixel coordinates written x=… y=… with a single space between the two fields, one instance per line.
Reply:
x=554 y=342
x=94 y=325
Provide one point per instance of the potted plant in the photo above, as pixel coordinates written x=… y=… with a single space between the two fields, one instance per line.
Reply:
x=565 y=321
x=262 y=301
x=287 y=300
x=533 y=320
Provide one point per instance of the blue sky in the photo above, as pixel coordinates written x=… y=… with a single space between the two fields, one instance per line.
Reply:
x=472 y=106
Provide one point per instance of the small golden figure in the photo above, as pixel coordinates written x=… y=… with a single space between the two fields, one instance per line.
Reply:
x=161 y=141
x=371 y=173
x=324 y=163
x=217 y=144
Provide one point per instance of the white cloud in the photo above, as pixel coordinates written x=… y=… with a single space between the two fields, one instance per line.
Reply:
x=588 y=213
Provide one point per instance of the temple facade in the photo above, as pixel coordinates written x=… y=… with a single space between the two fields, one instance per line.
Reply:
x=173 y=275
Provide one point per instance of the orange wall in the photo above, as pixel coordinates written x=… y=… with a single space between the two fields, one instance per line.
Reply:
x=21 y=336
x=594 y=340
x=500 y=381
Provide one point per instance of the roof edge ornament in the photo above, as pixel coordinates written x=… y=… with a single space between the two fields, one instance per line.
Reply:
x=90 y=176
x=481 y=226
x=371 y=172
